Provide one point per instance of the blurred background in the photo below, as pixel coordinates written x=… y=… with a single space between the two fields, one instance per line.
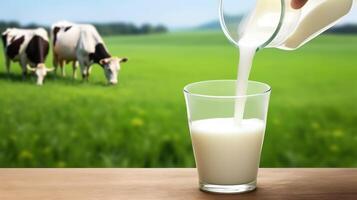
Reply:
x=142 y=121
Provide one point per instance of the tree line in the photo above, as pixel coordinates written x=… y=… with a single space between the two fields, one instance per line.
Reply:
x=114 y=28
x=344 y=29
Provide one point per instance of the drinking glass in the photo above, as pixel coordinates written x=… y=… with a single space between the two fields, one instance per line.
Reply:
x=227 y=155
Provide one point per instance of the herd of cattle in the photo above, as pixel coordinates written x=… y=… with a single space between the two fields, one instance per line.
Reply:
x=79 y=44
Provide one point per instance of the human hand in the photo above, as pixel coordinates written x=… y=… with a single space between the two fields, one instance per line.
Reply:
x=297 y=4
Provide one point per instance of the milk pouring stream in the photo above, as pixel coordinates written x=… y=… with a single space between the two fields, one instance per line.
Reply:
x=227 y=150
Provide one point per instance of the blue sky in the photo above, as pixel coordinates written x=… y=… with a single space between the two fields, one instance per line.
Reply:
x=173 y=13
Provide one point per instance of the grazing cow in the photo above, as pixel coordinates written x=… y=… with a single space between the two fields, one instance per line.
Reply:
x=82 y=43
x=30 y=48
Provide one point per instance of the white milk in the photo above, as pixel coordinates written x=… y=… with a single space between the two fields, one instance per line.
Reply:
x=227 y=154
x=253 y=32
x=245 y=64
x=247 y=53
x=299 y=26
x=227 y=150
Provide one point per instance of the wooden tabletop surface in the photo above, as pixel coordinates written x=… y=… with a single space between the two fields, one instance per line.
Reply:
x=107 y=184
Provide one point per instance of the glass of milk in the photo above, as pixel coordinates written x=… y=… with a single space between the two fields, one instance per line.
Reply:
x=227 y=152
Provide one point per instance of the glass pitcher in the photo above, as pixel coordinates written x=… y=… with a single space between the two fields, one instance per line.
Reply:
x=276 y=24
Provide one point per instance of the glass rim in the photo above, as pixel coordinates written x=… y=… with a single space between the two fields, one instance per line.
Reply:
x=265 y=92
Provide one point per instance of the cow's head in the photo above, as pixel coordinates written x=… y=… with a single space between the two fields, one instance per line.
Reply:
x=111 y=68
x=41 y=71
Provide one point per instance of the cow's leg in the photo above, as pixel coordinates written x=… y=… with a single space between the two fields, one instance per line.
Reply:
x=7 y=62
x=55 y=62
x=23 y=64
x=63 y=70
x=86 y=74
x=83 y=67
x=75 y=67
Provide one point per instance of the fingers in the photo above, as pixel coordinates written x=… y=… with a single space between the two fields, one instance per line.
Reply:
x=297 y=4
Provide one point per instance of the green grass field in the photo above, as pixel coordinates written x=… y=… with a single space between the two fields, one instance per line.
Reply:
x=142 y=121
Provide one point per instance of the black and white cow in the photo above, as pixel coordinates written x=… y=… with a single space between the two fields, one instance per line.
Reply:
x=30 y=48
x=82 y=43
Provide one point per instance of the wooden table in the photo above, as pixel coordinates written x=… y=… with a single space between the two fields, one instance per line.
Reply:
x=104 y=184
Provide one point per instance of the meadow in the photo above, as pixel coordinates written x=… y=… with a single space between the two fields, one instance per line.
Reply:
x=142 y=121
